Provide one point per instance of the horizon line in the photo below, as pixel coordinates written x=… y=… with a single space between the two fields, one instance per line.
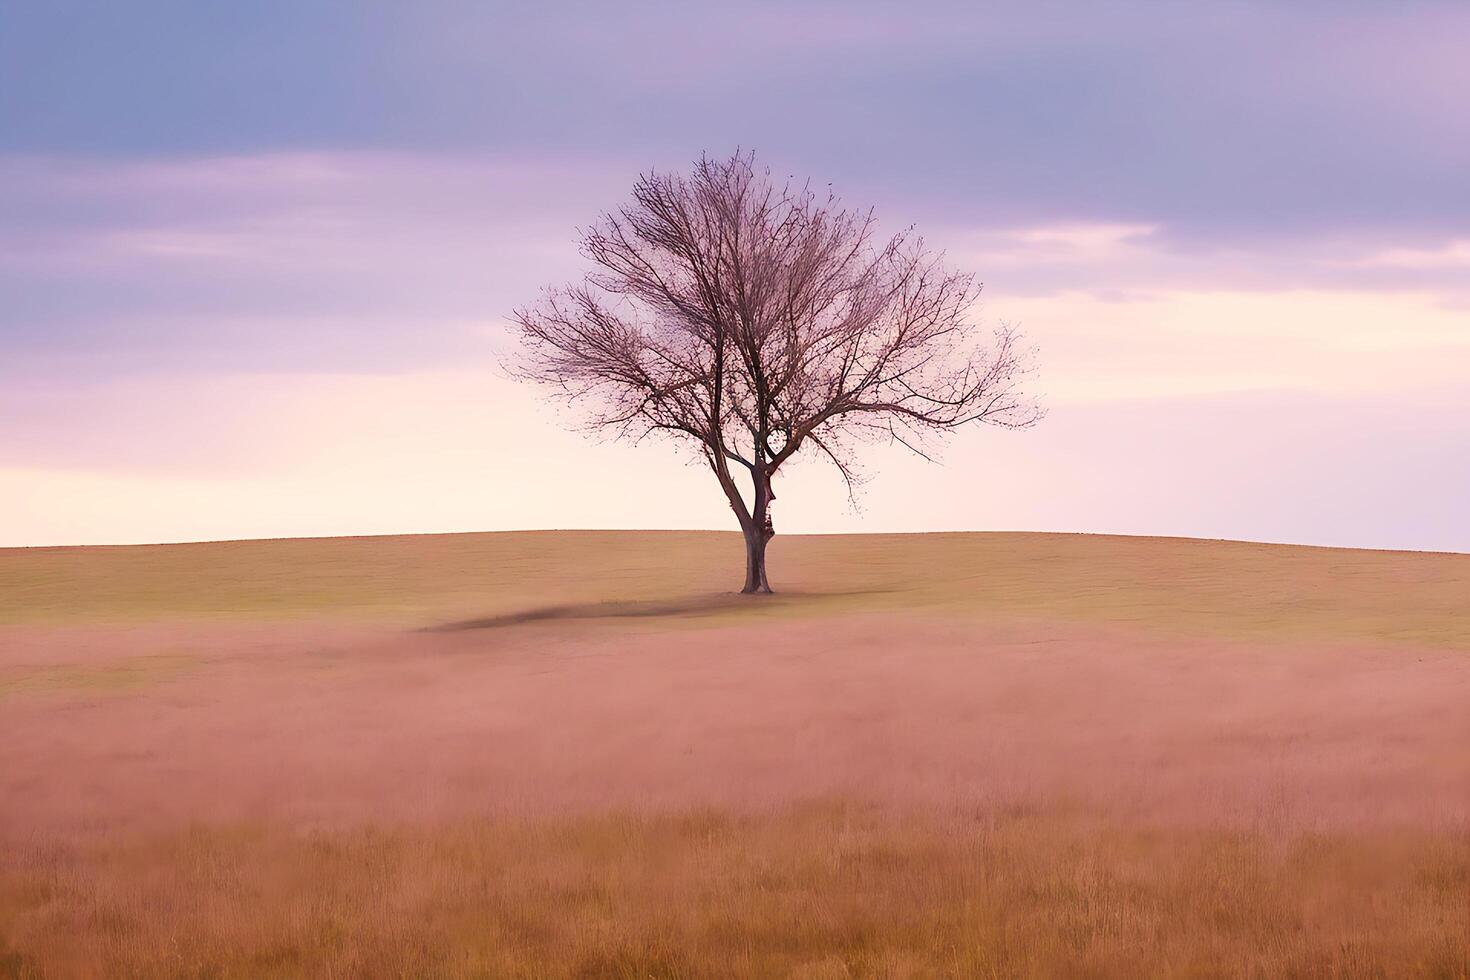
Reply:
x=734 y=533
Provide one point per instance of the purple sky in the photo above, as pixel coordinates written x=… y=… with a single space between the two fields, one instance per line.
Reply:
x=256 y=259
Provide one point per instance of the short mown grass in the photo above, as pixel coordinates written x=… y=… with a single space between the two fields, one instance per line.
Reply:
x=1223 y=588
x=118 y=676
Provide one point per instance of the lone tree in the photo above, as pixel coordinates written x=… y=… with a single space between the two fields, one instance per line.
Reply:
x=755 y=321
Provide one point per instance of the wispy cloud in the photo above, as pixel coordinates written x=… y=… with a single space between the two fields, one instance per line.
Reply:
x=1453 y=255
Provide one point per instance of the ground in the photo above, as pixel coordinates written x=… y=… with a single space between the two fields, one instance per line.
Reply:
x=581 y=754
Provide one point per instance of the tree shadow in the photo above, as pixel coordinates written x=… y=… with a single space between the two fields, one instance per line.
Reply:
x=698 y=605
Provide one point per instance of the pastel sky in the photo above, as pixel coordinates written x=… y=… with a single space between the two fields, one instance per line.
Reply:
x=256 y=259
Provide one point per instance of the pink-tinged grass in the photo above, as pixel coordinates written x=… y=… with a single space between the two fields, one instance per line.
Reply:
x=573 y=755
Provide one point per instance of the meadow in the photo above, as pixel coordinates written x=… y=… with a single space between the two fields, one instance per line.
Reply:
x=579 y=754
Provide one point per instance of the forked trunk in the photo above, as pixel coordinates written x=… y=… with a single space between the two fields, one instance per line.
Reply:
x=755 y=561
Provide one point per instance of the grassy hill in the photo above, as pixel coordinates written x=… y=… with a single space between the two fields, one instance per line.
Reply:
x=1215 y=587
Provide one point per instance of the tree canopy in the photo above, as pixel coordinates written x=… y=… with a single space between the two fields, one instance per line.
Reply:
x=756 y=320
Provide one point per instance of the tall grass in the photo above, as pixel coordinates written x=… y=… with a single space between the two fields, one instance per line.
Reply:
x=817 y=891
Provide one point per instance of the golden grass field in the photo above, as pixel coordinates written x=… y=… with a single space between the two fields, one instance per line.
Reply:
x=579 y=754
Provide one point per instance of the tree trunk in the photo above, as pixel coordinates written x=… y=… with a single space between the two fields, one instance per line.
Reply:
x=758 y=533
x=755 y=561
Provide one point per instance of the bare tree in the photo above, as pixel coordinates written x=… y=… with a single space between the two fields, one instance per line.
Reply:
x=756 y=320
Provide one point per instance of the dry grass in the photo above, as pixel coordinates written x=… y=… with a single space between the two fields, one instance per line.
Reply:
x=822 y=891
x=123 y=675
x=578 y=755
x=1224 y=588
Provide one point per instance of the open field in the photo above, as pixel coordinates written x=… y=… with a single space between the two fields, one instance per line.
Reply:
x=576 y=753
